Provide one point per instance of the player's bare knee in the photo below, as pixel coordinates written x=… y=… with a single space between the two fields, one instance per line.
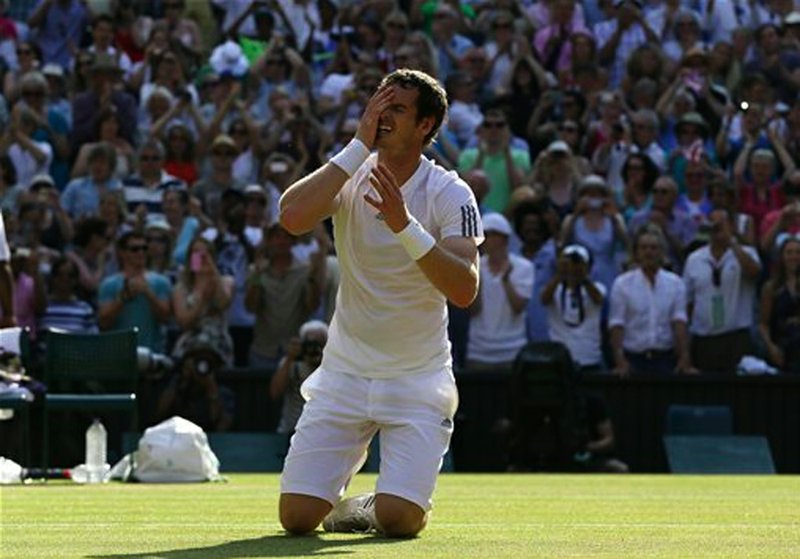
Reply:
x=301 y=515
x=399 y=518
x=297 y=525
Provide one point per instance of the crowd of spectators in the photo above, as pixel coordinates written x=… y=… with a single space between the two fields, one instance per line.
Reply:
x=635 y=162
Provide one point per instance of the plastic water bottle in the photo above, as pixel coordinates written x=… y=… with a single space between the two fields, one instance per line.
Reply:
x=96 y=441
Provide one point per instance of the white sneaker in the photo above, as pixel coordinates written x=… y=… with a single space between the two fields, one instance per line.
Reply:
x=354 y=514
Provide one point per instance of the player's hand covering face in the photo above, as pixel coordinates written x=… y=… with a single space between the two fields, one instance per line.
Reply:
x=368 y=126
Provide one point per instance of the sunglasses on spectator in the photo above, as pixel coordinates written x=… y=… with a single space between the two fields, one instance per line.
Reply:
x=149 y=158
x=695 y=175
x=24 y=52
x=136 y=248
x=494 y=124
x=275 y=61
x=503 y=25
x=662 y=191
x=568 y=128
x=225 y=153
x=396 y=25
x=160 y=240
x=33 y=93
x=643 y=126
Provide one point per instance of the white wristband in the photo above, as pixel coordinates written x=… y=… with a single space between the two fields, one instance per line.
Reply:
x=351 y=157
x=415 y=239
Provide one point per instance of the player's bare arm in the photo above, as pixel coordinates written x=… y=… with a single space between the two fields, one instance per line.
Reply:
x=451 y=265
x=314 y=197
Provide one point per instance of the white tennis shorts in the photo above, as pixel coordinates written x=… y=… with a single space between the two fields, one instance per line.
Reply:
x=343 y=412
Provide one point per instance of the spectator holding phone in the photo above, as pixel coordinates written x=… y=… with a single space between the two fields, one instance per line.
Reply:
x=201 y=300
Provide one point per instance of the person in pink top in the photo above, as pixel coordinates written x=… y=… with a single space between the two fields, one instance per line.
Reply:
x=552 y=42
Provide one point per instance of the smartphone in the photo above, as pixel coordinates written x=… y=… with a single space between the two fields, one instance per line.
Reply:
x=196 y=261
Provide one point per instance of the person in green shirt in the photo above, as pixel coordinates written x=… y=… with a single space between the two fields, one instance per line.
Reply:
x=505 y=166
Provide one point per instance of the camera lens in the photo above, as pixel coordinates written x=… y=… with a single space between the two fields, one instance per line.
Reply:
x=202 y=367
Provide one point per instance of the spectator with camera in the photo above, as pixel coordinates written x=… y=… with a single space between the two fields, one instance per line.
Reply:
x=194 y=393
x=574 y=304
x=134 y=297
x=643 y=138
x=647 y=315
x=597 y=225
x=303 y=356
x=720 y=283
x=559 y=170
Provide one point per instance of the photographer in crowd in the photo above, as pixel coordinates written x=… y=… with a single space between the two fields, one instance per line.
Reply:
x=574 y=303
x=302 y=358
x=193 y=391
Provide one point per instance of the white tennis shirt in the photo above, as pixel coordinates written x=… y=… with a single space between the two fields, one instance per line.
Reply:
x=390 y=320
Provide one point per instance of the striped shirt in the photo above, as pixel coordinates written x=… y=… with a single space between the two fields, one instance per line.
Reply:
x=71 y=316
x=137 y=193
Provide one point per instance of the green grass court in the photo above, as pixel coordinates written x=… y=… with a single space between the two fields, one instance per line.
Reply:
x=491 y=516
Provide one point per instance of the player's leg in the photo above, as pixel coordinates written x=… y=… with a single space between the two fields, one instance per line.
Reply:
x=328 y=447
x=398 y=517
x=301 y=514
x=416 y=418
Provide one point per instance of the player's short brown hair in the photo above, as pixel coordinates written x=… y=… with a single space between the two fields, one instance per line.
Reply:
x=431 y=101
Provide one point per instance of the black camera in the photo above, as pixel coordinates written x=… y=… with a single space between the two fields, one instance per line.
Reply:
x=152 y=364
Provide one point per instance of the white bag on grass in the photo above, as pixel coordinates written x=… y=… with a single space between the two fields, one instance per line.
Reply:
x=175 y=450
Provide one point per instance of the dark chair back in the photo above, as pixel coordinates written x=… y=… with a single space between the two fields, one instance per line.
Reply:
x=109 y=359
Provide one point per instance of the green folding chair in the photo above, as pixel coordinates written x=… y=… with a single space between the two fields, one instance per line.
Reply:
x=89 y=372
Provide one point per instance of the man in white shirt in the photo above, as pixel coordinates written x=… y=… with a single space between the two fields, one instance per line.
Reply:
x=720 y=283
x=406 y=236
x=574 y=306
x=648 y=313
x=497 y=322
